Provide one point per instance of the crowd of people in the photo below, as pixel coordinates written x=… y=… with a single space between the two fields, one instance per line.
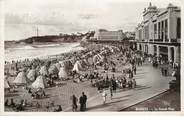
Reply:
x=49 y=69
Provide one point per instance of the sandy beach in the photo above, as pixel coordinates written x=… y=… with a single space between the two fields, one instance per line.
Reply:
x=61 y=92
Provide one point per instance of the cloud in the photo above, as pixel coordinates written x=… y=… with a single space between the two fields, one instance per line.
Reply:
x=76 y=15
x=87 y=16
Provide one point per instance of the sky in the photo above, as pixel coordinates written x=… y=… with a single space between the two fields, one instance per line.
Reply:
x=22 y=17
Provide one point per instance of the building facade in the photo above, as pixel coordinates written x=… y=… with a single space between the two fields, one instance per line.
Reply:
x=105 y=35
x=160 y=32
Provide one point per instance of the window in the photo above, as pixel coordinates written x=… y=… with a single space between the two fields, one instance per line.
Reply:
x=162 y=30
x=158 y=30
x=155 y=31
x=166 y=30
x=146 y=32
x=178 y=28
x=140 y=34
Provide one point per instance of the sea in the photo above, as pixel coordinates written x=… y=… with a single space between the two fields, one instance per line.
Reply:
x=39 y=50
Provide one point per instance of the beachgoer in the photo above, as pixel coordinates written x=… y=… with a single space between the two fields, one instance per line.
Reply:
x=111 y=92
x=104 y=95
x=6 y=102
x=74 y=103
x=133 y=83
x=59 y=109
x=12 y=104
x=82 y=101
x=85 y=100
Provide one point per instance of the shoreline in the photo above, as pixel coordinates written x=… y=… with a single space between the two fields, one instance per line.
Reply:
x=79 y=48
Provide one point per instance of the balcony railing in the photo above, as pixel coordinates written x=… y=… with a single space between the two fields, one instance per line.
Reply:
x=173 y=40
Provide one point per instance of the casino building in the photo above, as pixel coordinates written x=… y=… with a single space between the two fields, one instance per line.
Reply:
x=160 y=32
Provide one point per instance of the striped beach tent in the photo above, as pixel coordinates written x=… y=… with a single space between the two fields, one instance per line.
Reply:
x=21 y=79
x=31 y=75
x=40 y=82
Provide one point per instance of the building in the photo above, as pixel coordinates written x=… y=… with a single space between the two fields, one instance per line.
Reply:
x=160 y=32
x=105 y=35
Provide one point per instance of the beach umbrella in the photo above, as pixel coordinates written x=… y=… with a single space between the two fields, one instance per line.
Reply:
x=40 y=82
x=20 y=79
x=31 y=74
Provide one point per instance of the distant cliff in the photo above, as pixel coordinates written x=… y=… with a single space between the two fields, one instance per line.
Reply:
x=57 y=38
x=52 y=38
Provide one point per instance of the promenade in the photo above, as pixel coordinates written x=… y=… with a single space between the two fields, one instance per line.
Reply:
x=149 y=80
x=150 y=83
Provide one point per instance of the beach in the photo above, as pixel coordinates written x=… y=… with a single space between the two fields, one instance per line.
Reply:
x=44 y=84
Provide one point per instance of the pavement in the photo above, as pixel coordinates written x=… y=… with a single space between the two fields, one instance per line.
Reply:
x=150 y=83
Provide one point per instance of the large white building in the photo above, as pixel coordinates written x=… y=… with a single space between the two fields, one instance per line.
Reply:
x=104 y=35
x=160 y=32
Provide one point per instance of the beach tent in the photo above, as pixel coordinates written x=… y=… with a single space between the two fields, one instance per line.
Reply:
x=58 y=65
x=20 y=79
x=84 y=63
x=63 y=73
x=40 y=82
x=77 y=66
x=67 y=64
x=6 y=84
x=44 y=71
x=97 y=58
x=53 y=69
x=31 y=74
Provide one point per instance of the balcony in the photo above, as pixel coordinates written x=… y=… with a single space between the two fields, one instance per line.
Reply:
x=176 y=40
x=158 y=40
x=173 y=40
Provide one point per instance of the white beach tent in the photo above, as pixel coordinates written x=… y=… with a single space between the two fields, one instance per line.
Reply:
x=31 y=75
x=20 y=79
x=63 y=73
x=40 y=82
x=77 y=66
x=44 y=71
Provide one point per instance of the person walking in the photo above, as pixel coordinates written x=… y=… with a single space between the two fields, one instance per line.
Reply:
x=111 y=93
x=74 y=103
x=135 y=69
x=85 y=100
x=104 y=95
x=81 y=101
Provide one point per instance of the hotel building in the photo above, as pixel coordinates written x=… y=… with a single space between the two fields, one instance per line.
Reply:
x=108 y=36
x=160 y=32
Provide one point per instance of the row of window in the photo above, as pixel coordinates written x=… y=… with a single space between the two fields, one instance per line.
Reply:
x=160 y=30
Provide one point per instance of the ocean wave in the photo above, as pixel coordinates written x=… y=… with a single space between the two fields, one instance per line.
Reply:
x=47 y=45
x=30 y=51
x=26 y=48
